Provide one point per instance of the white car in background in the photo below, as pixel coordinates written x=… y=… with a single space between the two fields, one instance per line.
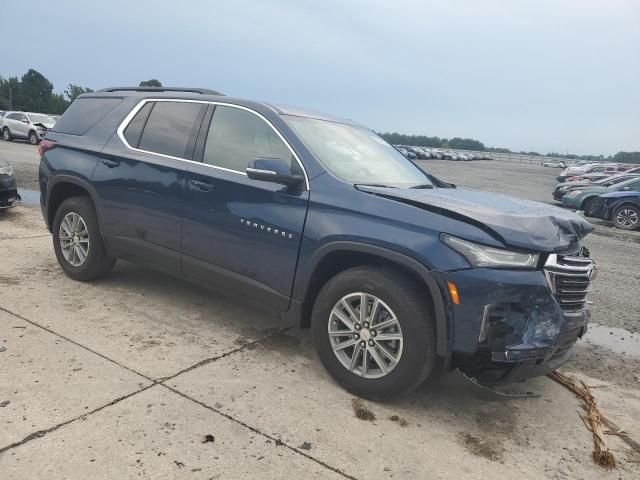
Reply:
x=554 y=164
x=26 y=126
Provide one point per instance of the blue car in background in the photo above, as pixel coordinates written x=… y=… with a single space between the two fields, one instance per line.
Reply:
x=621 y=208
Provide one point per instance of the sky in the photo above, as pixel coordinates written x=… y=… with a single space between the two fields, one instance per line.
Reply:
x=541 y=75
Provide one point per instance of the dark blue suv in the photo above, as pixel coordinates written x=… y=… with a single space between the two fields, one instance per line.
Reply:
x=400 y=276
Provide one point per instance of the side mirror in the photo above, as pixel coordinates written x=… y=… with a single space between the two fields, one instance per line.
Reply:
x=273 y=170
x=24 y=120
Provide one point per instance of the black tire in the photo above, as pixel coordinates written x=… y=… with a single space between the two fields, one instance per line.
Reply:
x=418 y=360
x=630 y=213
x=33 y=138
x=6 y=134
x=589 y=206
x=97 y=263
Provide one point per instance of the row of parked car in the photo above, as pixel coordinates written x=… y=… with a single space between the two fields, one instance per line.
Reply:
x=27 y=126
x=424 y=153
x=607 y=191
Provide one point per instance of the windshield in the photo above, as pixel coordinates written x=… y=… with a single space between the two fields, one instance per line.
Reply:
x=38 y=118
x=356 y=155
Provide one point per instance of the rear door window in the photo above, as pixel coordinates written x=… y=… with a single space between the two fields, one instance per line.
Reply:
x=171 y=128
x=237 y=136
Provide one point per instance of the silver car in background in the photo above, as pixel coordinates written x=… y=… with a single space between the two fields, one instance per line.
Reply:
x=26 y=126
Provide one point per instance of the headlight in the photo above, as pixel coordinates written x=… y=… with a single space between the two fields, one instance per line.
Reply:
x=7 y=170
x=481 y=256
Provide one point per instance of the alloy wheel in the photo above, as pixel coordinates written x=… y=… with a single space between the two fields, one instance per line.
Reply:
x=627 y=218
x=74 y=239
x=365 y=335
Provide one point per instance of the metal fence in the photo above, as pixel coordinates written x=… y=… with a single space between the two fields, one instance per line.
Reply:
x=510 y=157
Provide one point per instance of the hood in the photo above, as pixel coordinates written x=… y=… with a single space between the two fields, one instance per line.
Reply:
x=621 y=194
x=521 y=224
x=576 y=184
x=47 y=125
x=588 y=189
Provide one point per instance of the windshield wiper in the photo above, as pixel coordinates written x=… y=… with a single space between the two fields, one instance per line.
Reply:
x=423 y=186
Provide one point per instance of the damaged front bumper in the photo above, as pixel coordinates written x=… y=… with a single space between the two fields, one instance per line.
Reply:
x=513 y=325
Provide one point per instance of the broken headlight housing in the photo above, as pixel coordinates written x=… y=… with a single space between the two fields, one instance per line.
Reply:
x=482 y=256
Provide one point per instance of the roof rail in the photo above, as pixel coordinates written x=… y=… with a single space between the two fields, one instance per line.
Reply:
x=203 y=91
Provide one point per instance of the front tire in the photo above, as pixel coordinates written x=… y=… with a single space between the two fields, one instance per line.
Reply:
x=626 y=217
x=385 y=351
x=6 y=134
x=33 y=138
x=77 y=241
x=589 y=207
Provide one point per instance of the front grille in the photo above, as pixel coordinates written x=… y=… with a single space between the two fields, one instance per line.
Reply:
x=569 y=278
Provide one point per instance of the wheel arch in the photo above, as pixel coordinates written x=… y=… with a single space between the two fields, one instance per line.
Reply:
x=336 y=257
x=64 y=187
x=584 y=201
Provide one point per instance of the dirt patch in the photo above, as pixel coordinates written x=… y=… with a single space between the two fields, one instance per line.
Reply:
x=605 y=365
x=282 y=343
x=7 y=280
x=401 y=421
x=482 y=447
x=361 y=411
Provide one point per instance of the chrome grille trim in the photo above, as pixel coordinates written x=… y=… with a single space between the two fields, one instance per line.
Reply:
x=569 y=278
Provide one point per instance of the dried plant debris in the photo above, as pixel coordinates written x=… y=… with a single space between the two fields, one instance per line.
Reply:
x=592 y=419
x=361 y=411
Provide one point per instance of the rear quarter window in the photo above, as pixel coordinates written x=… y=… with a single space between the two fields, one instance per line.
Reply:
x=84 y=113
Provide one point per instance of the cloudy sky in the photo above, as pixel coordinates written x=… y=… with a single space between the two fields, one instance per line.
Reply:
x=544 y=75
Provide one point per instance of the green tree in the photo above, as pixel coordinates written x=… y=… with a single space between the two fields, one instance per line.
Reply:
x=150 y=83
x=73 y=91
x=627 y=157
x=34 y=92
x=9 y=87
x=58 y=103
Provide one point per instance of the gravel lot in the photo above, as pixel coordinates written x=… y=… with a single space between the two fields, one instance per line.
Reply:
x=142 y=375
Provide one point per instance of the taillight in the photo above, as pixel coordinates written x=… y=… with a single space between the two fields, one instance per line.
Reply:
x=45 y=146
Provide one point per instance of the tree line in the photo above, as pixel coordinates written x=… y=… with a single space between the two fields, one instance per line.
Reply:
x=33 y=92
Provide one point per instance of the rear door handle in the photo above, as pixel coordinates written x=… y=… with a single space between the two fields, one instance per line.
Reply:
x=110 y=163
x=202 y=186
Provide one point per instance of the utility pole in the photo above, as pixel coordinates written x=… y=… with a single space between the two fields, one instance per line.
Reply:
x=10 y=99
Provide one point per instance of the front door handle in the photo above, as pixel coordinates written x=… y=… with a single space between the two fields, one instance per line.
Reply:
x=202 y=186
x=110 y=163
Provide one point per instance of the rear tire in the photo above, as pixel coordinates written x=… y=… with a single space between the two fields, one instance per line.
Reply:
x=77 y=241
x=410 y=340
x=6 y=134
x=626 y=217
